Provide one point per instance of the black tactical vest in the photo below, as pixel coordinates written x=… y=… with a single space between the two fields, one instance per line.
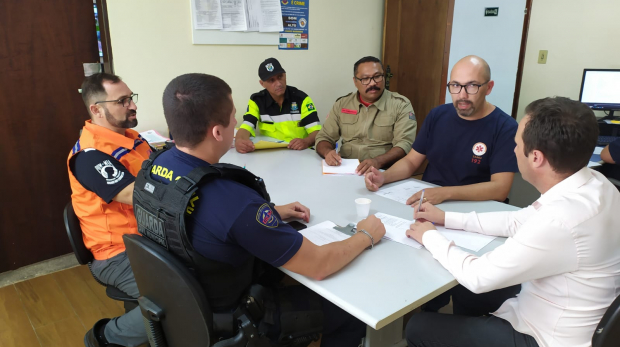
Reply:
x=160 y=212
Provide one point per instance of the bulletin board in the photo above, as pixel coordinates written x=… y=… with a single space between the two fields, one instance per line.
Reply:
x=218 y=37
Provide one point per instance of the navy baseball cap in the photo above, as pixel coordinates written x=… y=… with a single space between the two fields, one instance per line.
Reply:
x=269 y=68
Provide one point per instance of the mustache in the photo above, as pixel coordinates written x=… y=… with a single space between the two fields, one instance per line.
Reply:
x=372 y=88
x=466 y=101
x=131 y=113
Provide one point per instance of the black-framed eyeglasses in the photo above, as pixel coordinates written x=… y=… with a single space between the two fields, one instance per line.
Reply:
x=366 y=80
x=470 y=88
x=125 y=102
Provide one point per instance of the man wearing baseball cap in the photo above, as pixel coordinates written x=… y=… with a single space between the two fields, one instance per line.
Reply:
x=279 y=111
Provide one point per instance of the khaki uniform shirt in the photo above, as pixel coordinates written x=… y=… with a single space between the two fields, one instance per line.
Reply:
x=368 y=132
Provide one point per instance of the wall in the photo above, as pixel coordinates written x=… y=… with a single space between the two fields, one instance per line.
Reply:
x=152 y=44
x=578 y=34
x=496 y=39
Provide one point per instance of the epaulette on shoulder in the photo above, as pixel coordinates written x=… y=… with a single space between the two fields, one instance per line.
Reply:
x=344 y=96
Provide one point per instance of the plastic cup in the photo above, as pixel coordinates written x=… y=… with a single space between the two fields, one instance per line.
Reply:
x=362 y=205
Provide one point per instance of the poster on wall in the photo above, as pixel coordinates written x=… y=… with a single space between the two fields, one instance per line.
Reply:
x=295 y=22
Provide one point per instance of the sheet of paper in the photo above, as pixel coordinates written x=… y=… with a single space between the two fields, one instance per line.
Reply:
x=234 y=15
x=262 y=144
x=598 y=150
x=270 y=19
x=403 y=191
x=253 y=14
x=593 y=164
x=347 y=167
x=323 y=233
x=207 y=14
x=395 y=230
x=152 y=136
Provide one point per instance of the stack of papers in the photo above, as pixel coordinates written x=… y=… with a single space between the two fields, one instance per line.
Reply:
x=403 y=191
x=396 y=228
x=347 y=167
x=266 y=142
x=154 y=138
x=323 y=233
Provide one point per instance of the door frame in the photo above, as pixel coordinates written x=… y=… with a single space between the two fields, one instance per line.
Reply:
x=526 y=27
x=106 y=44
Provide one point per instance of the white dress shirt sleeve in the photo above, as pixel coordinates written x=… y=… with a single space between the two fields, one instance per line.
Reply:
x=542 y=247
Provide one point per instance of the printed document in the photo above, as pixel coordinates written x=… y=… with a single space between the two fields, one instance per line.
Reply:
x=347 y=167
x=207 y=14
x=234 y=15
x=396 y=228
x=323 y=233
x=253 y=14
x=403 y=191
x=270 y=19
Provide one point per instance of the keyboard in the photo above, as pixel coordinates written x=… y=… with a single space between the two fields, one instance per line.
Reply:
x=605 y=140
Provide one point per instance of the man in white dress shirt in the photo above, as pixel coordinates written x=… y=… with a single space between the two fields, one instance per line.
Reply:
x=564 y=248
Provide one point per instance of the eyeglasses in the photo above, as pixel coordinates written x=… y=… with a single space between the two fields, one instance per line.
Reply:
x=125 y=102
x=366 y=80
x=470 y=88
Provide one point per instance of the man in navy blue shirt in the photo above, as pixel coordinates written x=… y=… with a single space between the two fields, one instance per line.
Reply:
x=229 y=222
x=469 y=144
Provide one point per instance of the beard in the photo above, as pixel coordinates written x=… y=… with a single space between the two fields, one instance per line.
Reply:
x=466 y=112
x=125 y=123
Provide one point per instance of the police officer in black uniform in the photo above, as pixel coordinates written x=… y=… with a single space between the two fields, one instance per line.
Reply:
x=227 y=224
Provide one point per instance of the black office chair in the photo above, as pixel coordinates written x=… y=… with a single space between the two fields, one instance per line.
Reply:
x=174 y=307
x=607 y=333
x=85 y=257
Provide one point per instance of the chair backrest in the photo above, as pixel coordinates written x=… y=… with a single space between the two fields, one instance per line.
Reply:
x=607 y=333
x=166 y=282
x=74 y=231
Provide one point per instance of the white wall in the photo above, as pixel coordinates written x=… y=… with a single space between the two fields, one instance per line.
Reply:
x=578 y=34
x=152 y=44
x=495 y=39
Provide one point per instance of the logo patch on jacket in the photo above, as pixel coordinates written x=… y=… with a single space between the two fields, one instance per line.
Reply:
x=412 y=115
x=266 y=217
x=109 y=172
x=294 y=106
x=310 y=106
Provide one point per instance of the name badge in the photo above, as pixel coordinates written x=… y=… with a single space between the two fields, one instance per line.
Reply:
x=347 y=111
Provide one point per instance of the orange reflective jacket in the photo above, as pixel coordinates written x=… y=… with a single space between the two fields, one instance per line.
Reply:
x=103 y=225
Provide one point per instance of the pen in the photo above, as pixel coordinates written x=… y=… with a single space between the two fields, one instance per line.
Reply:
x=337 y=148
x=421 y=200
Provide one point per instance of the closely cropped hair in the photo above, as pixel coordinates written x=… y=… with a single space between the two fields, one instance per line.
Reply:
x=564 y=130
x=194 y=102
x=92 y=87
x=368 y=59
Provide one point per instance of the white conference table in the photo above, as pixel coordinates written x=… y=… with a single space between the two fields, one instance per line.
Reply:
x=382 y=284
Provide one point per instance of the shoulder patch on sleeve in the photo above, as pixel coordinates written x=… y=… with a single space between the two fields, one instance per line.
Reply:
x=344 y=96
x=266 y=217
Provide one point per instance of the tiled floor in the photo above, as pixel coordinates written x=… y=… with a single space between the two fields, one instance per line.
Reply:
x=53 y=310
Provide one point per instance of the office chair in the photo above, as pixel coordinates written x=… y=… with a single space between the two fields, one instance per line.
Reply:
x=607 y=333
x=85 y=257
x=174 y=306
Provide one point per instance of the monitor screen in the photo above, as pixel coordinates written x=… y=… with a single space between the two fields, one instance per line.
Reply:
x=600 y=89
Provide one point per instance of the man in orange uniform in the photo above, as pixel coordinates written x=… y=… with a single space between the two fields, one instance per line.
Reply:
x=102 y=168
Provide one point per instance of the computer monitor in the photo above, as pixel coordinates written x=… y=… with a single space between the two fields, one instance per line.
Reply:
x=600 y=90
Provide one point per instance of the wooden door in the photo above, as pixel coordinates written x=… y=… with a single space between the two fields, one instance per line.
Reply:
x=42 y=47
x=416 y=48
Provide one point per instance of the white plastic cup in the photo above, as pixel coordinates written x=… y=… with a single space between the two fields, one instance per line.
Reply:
x=362 y=205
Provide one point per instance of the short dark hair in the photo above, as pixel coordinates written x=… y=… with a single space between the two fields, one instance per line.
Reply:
x=368 y=59
x=192 y=103
x=564 y=130
x=92 y=87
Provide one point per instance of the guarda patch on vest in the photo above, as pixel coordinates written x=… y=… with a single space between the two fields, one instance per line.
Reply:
x=266 y=217
x=347 y=111
x=150 y=226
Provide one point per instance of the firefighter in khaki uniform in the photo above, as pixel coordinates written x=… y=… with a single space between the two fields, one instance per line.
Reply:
x=102 y=168
x=279 y=111
x=377 y=126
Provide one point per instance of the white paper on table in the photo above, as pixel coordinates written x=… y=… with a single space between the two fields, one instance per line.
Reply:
x=395 y=230
x=253 y=14
x=323 y=233
x=270 y=19
x=152 y=136
x=598 y=150
x=403 y=191
x=207 y=14
x=347 y=167
x=234 y=15
x=593 y=164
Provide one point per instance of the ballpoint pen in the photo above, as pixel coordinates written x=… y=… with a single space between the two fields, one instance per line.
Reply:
x=421 y=201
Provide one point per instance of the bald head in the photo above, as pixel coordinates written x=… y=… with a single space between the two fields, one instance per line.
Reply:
x=475 y=65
